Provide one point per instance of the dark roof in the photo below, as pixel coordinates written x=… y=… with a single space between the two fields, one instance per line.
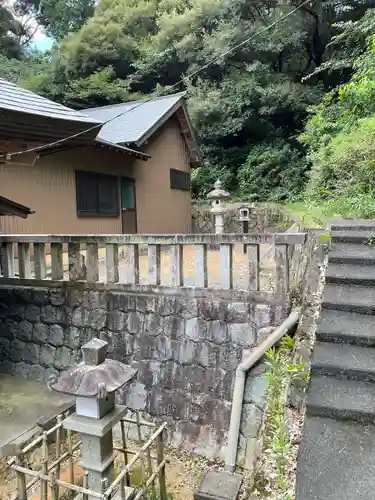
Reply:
x=9 y=207
x=139 y=118
x=15 y=98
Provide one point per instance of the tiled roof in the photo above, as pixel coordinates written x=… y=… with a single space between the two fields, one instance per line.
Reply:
x=137 y=118
x=15 y=98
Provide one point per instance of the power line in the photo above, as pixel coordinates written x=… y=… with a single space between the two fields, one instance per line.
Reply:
x=190 y=75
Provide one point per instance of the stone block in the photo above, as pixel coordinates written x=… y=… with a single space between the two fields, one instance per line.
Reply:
x=163 y=347
x=150 y=373
x=10 y=329
x=167 y=306
x=238 y=312
x=116 y=320
x=37 y=373
x=217 y=332
x=136 y=397
x=7 y=367
x=17 y=351
x=264 y=333
x=22 y=369
x=63 y=358
x=80 y=317
x=73 y=297
x=154 y=324
x=186 y=352
x=57 y=296
x=56 y=335
x=4 y=349
x=256 y=389
x=134 y=322
x=242 y=334
x=94 y=300
x=16 y=311
x=219 y=485
x=47 y=355
x=192 y=329
x=53 y=314
x=72 y=337
x=251 y=420
x=188 y=307
x=32 y=313
x=174 y=327
x=141 y=304
x=202 y=354
x=40 y=296
x=25 y=331
x=31 y=353
x=262 y=315
x=97 y=319
x=40 y=333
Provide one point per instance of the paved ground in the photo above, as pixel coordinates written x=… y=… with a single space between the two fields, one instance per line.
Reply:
x=336 y=461
x=22 y=403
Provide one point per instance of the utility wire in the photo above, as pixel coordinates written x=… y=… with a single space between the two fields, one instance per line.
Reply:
x=190 y=75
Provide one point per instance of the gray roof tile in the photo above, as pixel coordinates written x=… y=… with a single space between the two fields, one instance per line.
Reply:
x=15 y=98
x=135 y=120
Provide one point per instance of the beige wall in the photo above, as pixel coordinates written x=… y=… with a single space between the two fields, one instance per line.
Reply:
x=161 y=209
x=49 y=188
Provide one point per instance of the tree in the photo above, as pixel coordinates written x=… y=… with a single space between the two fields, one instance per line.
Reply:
x=58 y=17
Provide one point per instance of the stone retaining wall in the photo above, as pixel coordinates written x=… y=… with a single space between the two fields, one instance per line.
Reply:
x=187 y=350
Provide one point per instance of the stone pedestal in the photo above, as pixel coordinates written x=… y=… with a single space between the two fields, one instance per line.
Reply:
x=219 y=485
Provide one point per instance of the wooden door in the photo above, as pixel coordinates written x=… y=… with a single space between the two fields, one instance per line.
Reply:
x=128 y=206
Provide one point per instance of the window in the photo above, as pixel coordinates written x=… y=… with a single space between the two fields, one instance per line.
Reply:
x=180 y=179
x=97 y=194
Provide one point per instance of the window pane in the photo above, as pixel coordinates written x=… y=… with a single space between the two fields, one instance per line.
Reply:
x=108 y=194
x=87 y=192
x=179 y=179
x=127 y=194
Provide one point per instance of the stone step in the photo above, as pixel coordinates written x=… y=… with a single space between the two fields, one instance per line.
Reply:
x=354 y=236
x=336 y=461
x=351 y=274
x=344 y=360
x=341 y=399
x=346 y=327
x=352 y=253
x=350 y=298
x=352 y=225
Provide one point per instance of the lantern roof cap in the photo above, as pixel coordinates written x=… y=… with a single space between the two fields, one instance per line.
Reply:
x=95 y=376
x=218 y=193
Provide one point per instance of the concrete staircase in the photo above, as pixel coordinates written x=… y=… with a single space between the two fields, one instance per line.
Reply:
x=336 y=460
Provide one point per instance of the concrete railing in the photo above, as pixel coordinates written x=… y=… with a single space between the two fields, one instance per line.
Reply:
x=117 y=258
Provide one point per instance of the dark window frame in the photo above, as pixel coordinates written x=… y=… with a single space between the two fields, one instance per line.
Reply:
x=179 y=179
x=99 y=183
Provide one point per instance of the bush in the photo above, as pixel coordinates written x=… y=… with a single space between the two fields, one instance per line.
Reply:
x=273 y=172
x=346 y=165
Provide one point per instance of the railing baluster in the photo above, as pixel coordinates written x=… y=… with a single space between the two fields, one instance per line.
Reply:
x=77 y=268
x=8 y=260
x=92 y=262
x=57 y=264
x=132 y=261
x=177 y=263
x=153 y=252
x=282 y=273
x=200 y=268
x=24 y=260
x=226 y=266
x=253 y=261
x=112 y=263
x=40 y=261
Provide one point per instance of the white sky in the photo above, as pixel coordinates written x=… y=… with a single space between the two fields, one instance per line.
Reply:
x=39 y=34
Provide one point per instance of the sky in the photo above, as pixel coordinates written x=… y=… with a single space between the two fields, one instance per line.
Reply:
x=40 y=40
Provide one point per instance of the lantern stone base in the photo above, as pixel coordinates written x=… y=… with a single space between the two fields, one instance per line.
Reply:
x=129 y=494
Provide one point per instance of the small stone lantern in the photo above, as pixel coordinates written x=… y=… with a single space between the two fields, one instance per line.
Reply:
x=93 y=383
x=218 y=197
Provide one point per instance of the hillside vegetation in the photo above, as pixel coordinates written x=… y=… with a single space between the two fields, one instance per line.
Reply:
x=286 y=117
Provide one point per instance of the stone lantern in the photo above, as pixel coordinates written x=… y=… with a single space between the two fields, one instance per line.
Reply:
x=218 y=197
x=93 y=383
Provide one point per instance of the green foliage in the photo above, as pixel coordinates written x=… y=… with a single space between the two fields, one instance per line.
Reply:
x=273 y=171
